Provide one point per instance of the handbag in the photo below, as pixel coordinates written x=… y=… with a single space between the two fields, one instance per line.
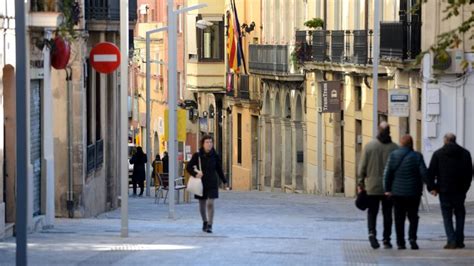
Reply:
x=195 y=184
x=362 y=200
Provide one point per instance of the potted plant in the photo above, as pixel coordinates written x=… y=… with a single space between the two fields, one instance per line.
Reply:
x=315 y=23
x=60 y=45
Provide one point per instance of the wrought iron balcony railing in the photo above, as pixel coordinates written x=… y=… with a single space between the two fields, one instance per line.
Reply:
x=269 y=58
x=400 y=40
x=108 y=10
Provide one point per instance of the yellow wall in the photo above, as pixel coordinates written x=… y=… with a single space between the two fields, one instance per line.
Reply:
x=242 y=173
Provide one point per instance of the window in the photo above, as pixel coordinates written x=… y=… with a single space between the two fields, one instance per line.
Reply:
x=180 y=87
x=419 y=99
x=211 y=40
x=239 y=138
x=358 y=98
x=180 y=20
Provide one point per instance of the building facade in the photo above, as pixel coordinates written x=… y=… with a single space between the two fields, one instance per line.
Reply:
x=42 y=19
x=342 y=52
x=205 y=73
x=88 y=181
x=448 y=95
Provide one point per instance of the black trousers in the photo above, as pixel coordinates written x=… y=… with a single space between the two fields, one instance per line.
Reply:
x=141 y=183
x=453 y=204
x=406 y=207
x=373 y=210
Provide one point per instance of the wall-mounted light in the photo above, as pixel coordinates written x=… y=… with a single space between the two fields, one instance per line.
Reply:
x=204 y=114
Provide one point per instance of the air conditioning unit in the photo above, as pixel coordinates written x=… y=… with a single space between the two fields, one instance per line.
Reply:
x=453 y=64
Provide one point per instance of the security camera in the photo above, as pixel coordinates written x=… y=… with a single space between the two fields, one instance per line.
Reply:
x=202 y=24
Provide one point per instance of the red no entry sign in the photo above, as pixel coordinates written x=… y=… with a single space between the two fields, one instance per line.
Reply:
x=105 y=57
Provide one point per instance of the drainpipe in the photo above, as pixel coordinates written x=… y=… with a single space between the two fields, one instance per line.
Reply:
x=70 y=193
x=366 y=16
x=326 y=14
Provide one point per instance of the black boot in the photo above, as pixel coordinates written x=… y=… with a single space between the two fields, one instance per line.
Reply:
x=373 y=242
x=387 y=244
x=209 y=228
x=204 y=226
x=414 y=245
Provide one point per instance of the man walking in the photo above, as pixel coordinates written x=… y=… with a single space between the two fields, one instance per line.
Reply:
x=450 y=171
x=370 y=178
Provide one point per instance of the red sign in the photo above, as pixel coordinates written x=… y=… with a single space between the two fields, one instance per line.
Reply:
x=105 y=57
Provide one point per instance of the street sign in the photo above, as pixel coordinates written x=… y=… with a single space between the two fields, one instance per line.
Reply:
x=330 y=96
x=105 y=57
x=399 y=103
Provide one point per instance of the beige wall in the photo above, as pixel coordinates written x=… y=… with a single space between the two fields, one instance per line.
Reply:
x=242 y=173
x=434 y=25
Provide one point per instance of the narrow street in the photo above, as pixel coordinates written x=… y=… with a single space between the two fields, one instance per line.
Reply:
x=253 y=228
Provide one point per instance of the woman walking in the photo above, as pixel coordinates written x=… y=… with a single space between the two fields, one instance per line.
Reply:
x=207 y=165
x=404 y=175
x=138 y=160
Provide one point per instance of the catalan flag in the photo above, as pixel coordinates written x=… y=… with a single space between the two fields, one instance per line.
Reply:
x=231 y=44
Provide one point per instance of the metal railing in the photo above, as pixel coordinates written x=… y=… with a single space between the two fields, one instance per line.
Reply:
x=342 y=47
x=91 y=152
x=268 y=58
x=243 y=87
x=108 y=10
x=400 y=40
x=99 y=153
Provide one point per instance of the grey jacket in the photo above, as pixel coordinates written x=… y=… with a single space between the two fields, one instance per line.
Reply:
x=372 y=165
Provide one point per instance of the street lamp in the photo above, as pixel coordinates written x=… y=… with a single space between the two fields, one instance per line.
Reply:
x=173 y=96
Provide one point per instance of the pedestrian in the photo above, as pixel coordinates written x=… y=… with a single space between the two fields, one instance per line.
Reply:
x=139 y=161
x=165 y=161
x=155 y=162
x=404 y=175
x=370 y=179
x=450 y=172
x=207 y=165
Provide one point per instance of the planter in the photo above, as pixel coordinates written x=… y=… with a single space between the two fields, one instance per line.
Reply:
x=60 y=53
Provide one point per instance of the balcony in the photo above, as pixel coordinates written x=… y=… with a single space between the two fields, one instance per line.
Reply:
x=269 y=59
x=108 y=10
x=45 y=14
x=400 y=40
x=241 y=88
x=338 y=47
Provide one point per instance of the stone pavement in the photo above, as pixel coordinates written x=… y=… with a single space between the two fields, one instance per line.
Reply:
x=254 y=228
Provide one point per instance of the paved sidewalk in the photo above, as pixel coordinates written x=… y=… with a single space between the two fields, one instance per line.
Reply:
x=254 y=228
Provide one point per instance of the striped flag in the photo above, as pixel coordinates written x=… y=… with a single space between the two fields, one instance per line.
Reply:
x=238 y=40
x=231 y=44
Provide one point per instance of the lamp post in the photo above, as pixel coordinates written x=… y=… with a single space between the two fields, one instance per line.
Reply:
x=21 y=134
x=148 y=105
x=173 y=97
x=375 y=75
x=123 y=142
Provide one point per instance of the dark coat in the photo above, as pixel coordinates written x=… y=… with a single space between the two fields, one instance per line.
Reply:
x=165 y=161
x=451 y=170
x=212 y=172
x=139 y=162
x=405 y=173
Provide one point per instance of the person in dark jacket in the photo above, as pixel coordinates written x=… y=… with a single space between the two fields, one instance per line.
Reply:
x=156 y=161
x=404 y=175
x=139 y=161
x=165 y=161
x=210 y=171
x=370 y=179
x=450 y=173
